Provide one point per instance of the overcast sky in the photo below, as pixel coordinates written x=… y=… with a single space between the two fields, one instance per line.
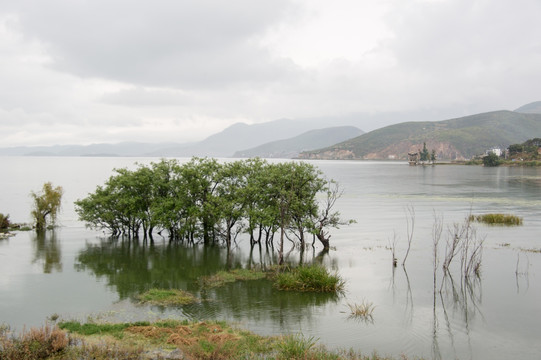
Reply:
x=87 y=71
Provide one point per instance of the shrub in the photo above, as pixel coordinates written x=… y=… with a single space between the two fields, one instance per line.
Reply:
x=314 y=278
x=46 y=205
x=37 y=343
x=4 y=221
x=491 y=160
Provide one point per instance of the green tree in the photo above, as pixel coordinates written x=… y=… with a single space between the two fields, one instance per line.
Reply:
x=515 y=149
x=206 y=200
x=46 y=205
x=4 y=221
x=491 y=159
x=424 y=154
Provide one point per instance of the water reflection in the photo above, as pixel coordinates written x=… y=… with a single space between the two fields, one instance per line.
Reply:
x=132 y=267
x=47 y=251
x=464 y=298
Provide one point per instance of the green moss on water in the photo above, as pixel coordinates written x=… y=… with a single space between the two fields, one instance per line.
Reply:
x=167 y=297
x=497 y=219
x=223 y=277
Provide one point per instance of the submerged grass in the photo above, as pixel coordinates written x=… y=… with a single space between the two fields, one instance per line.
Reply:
x=167 y=297
x=362 y=310
x=223 y=277
x=313 y=278
x=497 y=219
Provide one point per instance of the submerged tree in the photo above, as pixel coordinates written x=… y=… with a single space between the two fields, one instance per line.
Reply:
x=46 y=205
x=204 y=200
x=326 y=217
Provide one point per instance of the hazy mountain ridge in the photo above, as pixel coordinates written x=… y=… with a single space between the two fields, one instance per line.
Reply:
x=531 y=108
x=292 y=147
x=222 y=144
x=119 y=149
x=451 y=139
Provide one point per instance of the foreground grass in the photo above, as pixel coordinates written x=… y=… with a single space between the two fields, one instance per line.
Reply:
x=159 y=340
x=497 y=219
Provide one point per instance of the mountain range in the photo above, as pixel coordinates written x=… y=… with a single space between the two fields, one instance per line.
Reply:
x=453 y=139
x=322 y=138
x=223 y=144
x=310 y=140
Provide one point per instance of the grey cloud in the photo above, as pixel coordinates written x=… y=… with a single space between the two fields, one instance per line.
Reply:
x=141 y=97
x=184 y=44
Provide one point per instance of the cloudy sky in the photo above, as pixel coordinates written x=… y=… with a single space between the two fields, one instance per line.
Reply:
x=86 y=71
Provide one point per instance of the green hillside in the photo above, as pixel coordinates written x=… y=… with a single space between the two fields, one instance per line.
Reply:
x=452 y=139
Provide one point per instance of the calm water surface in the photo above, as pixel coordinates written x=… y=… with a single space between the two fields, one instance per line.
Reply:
x=82 y=274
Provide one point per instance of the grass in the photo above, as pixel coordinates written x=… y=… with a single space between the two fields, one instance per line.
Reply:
x=223 y=277
x=167 y=297
x=313 y=278
x=308 y=278
x=160 y=340
x=497 y=219
x=36 y=343
x=362 y=310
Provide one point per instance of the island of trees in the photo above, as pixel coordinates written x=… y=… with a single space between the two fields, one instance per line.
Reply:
x=210 y=202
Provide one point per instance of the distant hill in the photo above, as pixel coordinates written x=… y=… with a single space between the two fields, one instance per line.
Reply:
x=236 y=137
x=120 y=149
x=290 y=148
x=451 y=139
x=531 y=108
x=223 y=144
x=243 y=136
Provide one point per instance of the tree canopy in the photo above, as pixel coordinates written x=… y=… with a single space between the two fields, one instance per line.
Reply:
x=210 y=202
x=46 y=205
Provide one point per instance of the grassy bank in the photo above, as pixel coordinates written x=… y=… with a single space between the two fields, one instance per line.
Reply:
x=161 y=340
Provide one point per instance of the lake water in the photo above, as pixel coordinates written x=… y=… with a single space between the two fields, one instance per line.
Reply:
x=79 y=273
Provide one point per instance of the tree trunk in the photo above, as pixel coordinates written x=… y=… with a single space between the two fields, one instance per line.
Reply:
x=324 y=241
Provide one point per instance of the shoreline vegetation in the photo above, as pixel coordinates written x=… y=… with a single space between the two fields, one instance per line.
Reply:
x=166 y=339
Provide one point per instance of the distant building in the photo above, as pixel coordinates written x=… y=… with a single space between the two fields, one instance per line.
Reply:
x=413 y=158
x=496 y=151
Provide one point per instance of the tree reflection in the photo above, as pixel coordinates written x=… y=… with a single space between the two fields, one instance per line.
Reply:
x=47 y=251
x=132 y=267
